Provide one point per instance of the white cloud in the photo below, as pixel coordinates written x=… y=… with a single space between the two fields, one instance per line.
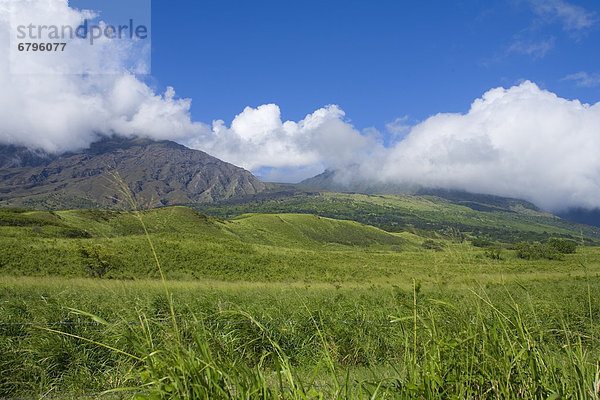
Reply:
x=572 y=17
x=536 y=49
x=59 y=112
x=521 y=142
x=259 y=138
x=63 y=112
x=398 y=127
x=583 y=79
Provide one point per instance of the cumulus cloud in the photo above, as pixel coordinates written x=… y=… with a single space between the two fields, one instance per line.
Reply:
x=521 y=142
x=258 y=137
x=58 y=111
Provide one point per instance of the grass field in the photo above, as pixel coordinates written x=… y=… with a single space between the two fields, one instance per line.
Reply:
x=533 y=338
x=286 y=306
x=251 y=248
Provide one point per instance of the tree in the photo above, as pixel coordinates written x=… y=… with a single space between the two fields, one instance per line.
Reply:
x=99 y=259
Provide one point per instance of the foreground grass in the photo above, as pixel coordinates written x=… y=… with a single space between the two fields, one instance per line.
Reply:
x=298 y=307
x=533 y=338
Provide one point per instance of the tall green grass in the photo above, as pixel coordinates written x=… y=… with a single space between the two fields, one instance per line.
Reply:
x=503 y=341
x=487 y=353
x=495 y=342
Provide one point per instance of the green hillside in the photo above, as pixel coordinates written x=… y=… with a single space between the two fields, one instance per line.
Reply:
x=112 y=244
x=303 y=230
x=253 y=247
x=290 y=230
x=486 y=217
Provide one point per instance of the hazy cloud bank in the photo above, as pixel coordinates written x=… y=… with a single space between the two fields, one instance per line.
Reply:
x=522 y=142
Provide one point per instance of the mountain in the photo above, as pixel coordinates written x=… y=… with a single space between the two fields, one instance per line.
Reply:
x=334 y=181
x=583 y=216
x=338 y=181
x=346 y=182
x=18 y=156
x=158 y=173
x=482 y=202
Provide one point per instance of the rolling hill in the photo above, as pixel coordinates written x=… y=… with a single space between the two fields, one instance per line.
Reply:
x=112 y=244
x=437 y=213
x=249 y=248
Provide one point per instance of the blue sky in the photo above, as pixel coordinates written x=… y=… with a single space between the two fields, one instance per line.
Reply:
x=377 y=60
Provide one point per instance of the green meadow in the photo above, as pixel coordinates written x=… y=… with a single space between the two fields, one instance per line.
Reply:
x=287 y=304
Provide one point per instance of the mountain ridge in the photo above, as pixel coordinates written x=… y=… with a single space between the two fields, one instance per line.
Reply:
x=159 y=173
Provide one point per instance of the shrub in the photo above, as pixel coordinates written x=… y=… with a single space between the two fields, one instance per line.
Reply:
x=99 y=259
x=562 y=246
x=15 y=210
x=535 y=251
x=432 y=245
x=73 y=233
x=493 y=252
x=478 y=242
